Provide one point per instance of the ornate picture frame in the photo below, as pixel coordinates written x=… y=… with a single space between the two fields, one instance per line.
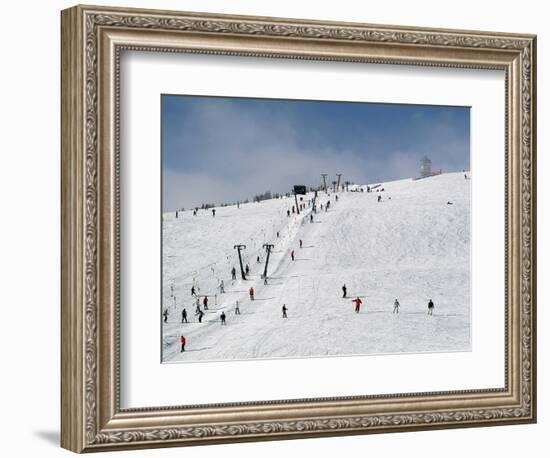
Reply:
x=92 y=41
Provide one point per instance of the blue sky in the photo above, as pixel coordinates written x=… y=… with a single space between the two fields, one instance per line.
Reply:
x=218 y=149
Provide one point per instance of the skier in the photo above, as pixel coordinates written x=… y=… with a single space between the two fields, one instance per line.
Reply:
x=336 y=197
x=379 y=198
x=193 y=292
x=213 y=212
x=258 y=259
x=300 y=243
x=293 y=209
x=184 y=316
x=311 y=218
x=288 y=213
x=345 y=291
x=396 y=305
x=430 y=307
x=205 y=302
x=357 y=303
x=247 y=269
x=176 y=214
x=233 y=273
x=201 y=314
x=284 y=311
x=222 y=317
x=237 y=309
x=292 y=254
x=251 y=293
x=194 y=212
x=165 y=313
x=277 y=234
x=222 y=287
x=182 y=341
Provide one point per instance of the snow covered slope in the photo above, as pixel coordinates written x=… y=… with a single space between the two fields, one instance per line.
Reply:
x=412 y=245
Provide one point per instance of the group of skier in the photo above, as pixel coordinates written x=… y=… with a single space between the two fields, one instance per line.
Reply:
x=284 y=309
x=196 y=210
x=357 y=301
x=223 y=317
x=292 y=254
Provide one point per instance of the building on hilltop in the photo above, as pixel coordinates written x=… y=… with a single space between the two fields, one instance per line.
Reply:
x=425 y=167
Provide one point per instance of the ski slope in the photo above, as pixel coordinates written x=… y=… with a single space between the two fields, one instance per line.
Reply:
x=412 y=246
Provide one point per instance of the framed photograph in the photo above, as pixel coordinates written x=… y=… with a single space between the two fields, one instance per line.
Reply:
x=278 y=228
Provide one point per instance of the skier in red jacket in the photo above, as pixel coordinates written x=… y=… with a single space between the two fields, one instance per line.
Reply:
x=357 y=303
x=251 y=293
x=182 y=341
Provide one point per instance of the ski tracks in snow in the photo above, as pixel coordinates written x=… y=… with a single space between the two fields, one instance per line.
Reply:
x=412 y=247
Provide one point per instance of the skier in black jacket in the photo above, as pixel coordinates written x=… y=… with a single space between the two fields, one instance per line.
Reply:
x=430 y=307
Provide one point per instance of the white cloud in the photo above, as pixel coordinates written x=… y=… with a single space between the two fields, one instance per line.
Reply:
x=243 y=153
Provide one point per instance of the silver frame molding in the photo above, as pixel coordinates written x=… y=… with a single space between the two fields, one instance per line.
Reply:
x=92 y=40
